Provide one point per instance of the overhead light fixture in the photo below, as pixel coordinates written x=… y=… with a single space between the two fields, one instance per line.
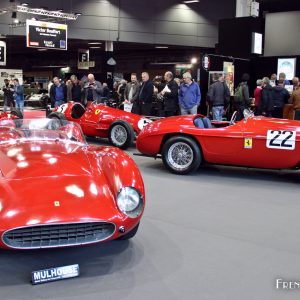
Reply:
x=24 y=4
x=161 y=47
x=191 y=1
x=194 y=60
x=94 y=43
x=78 y=14
x=95 y=47
x=16 y=21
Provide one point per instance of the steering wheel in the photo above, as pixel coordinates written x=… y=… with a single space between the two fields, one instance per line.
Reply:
x=233 y=118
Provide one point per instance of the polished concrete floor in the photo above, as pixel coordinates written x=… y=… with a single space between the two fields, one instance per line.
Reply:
x=221 y=233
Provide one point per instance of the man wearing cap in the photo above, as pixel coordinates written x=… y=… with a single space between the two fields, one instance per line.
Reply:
x=189 y=95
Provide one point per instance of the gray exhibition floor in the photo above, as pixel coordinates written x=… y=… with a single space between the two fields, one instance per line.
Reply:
x=222 y=233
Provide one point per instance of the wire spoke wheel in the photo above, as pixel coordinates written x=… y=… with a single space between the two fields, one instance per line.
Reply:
x=180 y=155
x=119 y=135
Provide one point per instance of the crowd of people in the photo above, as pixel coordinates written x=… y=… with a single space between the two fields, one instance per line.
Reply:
x=170 y=95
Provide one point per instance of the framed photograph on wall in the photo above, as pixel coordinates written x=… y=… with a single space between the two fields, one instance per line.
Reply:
x=287 y=66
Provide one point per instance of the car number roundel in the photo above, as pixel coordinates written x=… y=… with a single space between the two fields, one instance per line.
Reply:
x=62 y=108
x=143 y=122
x=281 y=139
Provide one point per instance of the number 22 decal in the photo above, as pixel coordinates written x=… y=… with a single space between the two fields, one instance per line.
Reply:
x=281 y=139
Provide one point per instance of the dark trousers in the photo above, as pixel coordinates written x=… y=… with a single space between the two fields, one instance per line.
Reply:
x=277 y=112
x=145 y=109
x=297 y=114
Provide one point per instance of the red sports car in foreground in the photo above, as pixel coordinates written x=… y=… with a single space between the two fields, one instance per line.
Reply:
x=57 y=191
x=14 y=114
x=98 y=120
x=257 y=142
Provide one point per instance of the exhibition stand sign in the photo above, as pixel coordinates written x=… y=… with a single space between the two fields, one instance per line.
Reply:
x=2 y=53
x=46 y=35
x=53 y=274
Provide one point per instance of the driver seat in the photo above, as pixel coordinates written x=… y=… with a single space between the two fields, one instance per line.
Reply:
x=77 y=111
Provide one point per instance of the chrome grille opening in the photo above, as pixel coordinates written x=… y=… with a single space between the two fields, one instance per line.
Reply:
x=58 y=235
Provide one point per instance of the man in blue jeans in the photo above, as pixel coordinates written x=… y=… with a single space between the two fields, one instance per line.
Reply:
x=218 y=97
x=19 y=95
x=189 y=95
x=58 y=93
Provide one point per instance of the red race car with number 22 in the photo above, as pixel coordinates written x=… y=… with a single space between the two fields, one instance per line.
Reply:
x=185 y=142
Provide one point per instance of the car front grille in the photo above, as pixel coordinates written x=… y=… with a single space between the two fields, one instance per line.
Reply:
x=58 y=235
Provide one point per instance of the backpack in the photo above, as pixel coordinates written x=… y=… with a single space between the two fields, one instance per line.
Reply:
x=238 y=95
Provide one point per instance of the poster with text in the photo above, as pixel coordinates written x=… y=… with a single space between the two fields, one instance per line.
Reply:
x=46 y=35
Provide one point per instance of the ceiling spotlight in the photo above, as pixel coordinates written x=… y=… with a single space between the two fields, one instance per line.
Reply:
x=78 y=14
x=94 y=43
x=59 y=10
x=194 y=60
x=24 y=4
x=161 y=47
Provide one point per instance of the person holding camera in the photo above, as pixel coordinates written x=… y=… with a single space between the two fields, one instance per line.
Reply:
x=93 y=90
x=8 y=90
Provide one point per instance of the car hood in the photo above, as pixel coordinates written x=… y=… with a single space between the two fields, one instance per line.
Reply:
x=51 y=200
x=43 y=159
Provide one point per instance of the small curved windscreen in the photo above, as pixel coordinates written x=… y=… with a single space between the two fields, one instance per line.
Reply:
x=12 y=130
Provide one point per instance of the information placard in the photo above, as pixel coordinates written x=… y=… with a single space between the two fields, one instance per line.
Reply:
x=46 y=35
x=2 y=53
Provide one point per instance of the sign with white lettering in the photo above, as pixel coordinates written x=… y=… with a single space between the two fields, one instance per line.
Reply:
x=47 y=35
x=2 y=53
x=54 y=274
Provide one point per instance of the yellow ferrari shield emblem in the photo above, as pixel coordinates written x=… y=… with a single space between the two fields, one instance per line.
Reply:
x=56 y=203
x=97 y=111
x=248 y=143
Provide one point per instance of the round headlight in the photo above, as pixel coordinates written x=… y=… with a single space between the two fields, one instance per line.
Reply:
x=130 y=202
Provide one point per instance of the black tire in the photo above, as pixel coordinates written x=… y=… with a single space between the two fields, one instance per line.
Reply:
x=57 y=115
x=17 y=113
x=130 y=234
x=60 y=120
x=190 y=151
x=123 y=128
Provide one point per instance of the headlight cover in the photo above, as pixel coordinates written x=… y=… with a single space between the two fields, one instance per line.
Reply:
x=130 y=202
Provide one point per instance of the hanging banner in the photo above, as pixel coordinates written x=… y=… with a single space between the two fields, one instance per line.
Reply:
x=206 y=62
x=83 y=59
x=2 y=53
x=46 y=35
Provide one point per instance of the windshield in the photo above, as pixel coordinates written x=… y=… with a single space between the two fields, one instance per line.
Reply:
x=40 y=130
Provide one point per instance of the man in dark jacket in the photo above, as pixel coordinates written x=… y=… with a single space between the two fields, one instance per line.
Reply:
x=267 y=98
x=170 y=95
x=145 y=95
x=77 y=89
x=218 y=97
x=281 y=97
x=245 y=99
x=58 y=92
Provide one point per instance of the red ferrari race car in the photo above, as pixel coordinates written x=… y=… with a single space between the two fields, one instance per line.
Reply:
x=98 y=120
x=58 y=191
x=14 y=114
x=185 y=142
